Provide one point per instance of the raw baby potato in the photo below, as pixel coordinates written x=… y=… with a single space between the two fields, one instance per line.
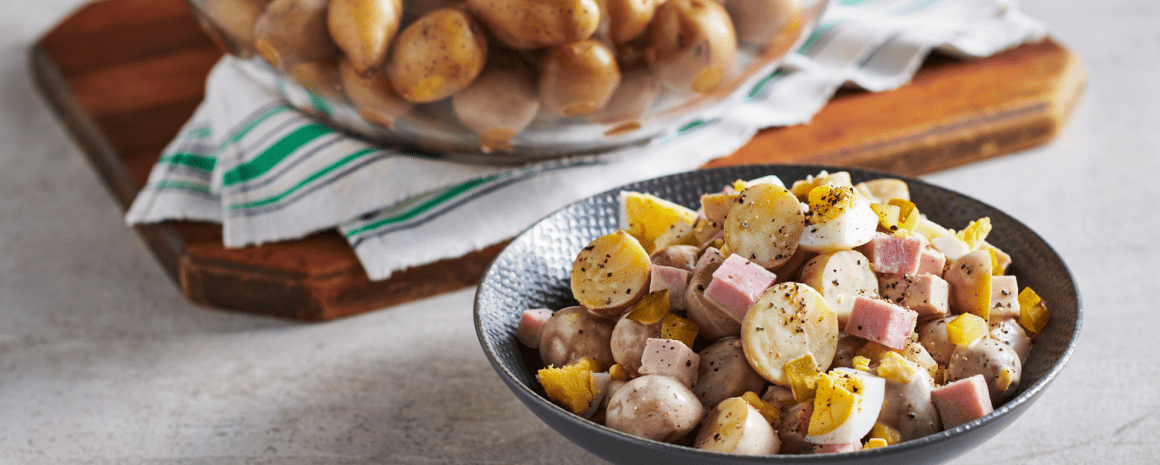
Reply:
x=578 y=78
x=363 y=29
x=500 y=103
x=693 y=46
x=535 y=24
x=237 y=19
x=374 y=97
x=292 y=31
x=437 y=56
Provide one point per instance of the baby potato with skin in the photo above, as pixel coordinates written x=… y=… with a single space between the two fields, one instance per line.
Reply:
x=363 y=29
x=500 y=103
x=629 y=18
x=693 y=46
x=654 y=407
x=374 y=96
x=535 y=24
x=736 y=427
x=575 y=333
x=293 y=31
x=237 y=18
x=437 y=56
x=578 y=78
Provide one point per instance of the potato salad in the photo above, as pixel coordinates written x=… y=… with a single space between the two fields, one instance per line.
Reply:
x=822 y=317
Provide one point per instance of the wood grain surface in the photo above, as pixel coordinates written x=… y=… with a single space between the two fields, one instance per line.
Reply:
x=124 y=75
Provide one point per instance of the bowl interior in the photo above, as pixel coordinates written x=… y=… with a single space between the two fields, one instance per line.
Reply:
x=533 y=271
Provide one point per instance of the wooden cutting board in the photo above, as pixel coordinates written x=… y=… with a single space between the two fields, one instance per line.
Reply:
x=124 y=75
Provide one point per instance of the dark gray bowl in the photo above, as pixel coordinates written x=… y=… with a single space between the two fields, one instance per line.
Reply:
x=533 y=272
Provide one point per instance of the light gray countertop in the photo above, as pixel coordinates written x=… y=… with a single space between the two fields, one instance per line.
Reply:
x=102 y=361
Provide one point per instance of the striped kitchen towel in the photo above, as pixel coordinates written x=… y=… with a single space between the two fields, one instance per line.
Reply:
x=254 y=159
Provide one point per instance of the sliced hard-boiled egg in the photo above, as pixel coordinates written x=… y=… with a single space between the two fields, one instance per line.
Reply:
x=839 y=219
x=647 y=217
x=846 y=406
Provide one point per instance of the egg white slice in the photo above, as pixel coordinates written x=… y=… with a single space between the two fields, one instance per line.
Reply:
x=864 y=413
x=851 y=228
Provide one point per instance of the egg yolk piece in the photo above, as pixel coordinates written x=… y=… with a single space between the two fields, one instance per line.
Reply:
x=846 y=407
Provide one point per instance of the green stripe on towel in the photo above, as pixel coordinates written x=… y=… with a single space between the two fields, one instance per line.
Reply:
x=309 y=179
x=192 y=160
x=424 y=207
x=269 y=158
x=189 y=186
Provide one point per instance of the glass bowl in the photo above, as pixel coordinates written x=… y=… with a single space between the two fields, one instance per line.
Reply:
x=502 y=81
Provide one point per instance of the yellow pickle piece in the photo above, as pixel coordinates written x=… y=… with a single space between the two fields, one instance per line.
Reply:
x=887 y=215
x=907 y=215
x=966 y=328
x=861 y=363
x=651 y=308
x=875 y=443
x=770 y=410
x=803 y=375
x=679 y=328
x=617 y=373
x=1033 y=314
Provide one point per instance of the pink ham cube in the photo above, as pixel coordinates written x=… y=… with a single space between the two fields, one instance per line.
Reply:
x=532 y=326
x=927 y=294
x=737 y=284
x=672 y=358
x=931 y=261
x=882 y=322
x=962 y=401
x=892 y=254
x=675 y=280
x=1004 y=297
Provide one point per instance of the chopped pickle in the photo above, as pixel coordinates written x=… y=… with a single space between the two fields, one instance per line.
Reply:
x=739 y=185
x=996 y=266
x=976 y=232
x=770 y=410
x=571 y=386
x=887 y=215
x=1033 y=315
x=617 y=373
x=679 y=328
x=895 y=368
x=875 y=443
x=828 y=201
x=836 y=400
x=886 y=433
x=651 y=308
x=803 y=377
x=861 y=363
x=966 y=328
x=907 y=215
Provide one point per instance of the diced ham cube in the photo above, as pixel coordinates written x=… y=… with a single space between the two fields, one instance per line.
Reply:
x=837 y=448
x=927 y=294
x=892 y=254
x=675 y=280
x=737 y=284
x=931 y=261
x=1004 y=297
x=962 y=401
x=672 y=358
x=532 y=326
x=882 y=322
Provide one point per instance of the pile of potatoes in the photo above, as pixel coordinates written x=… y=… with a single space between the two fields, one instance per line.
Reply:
x=505 y=63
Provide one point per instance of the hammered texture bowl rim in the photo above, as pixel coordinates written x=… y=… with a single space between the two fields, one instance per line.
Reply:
x=1025 y=397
